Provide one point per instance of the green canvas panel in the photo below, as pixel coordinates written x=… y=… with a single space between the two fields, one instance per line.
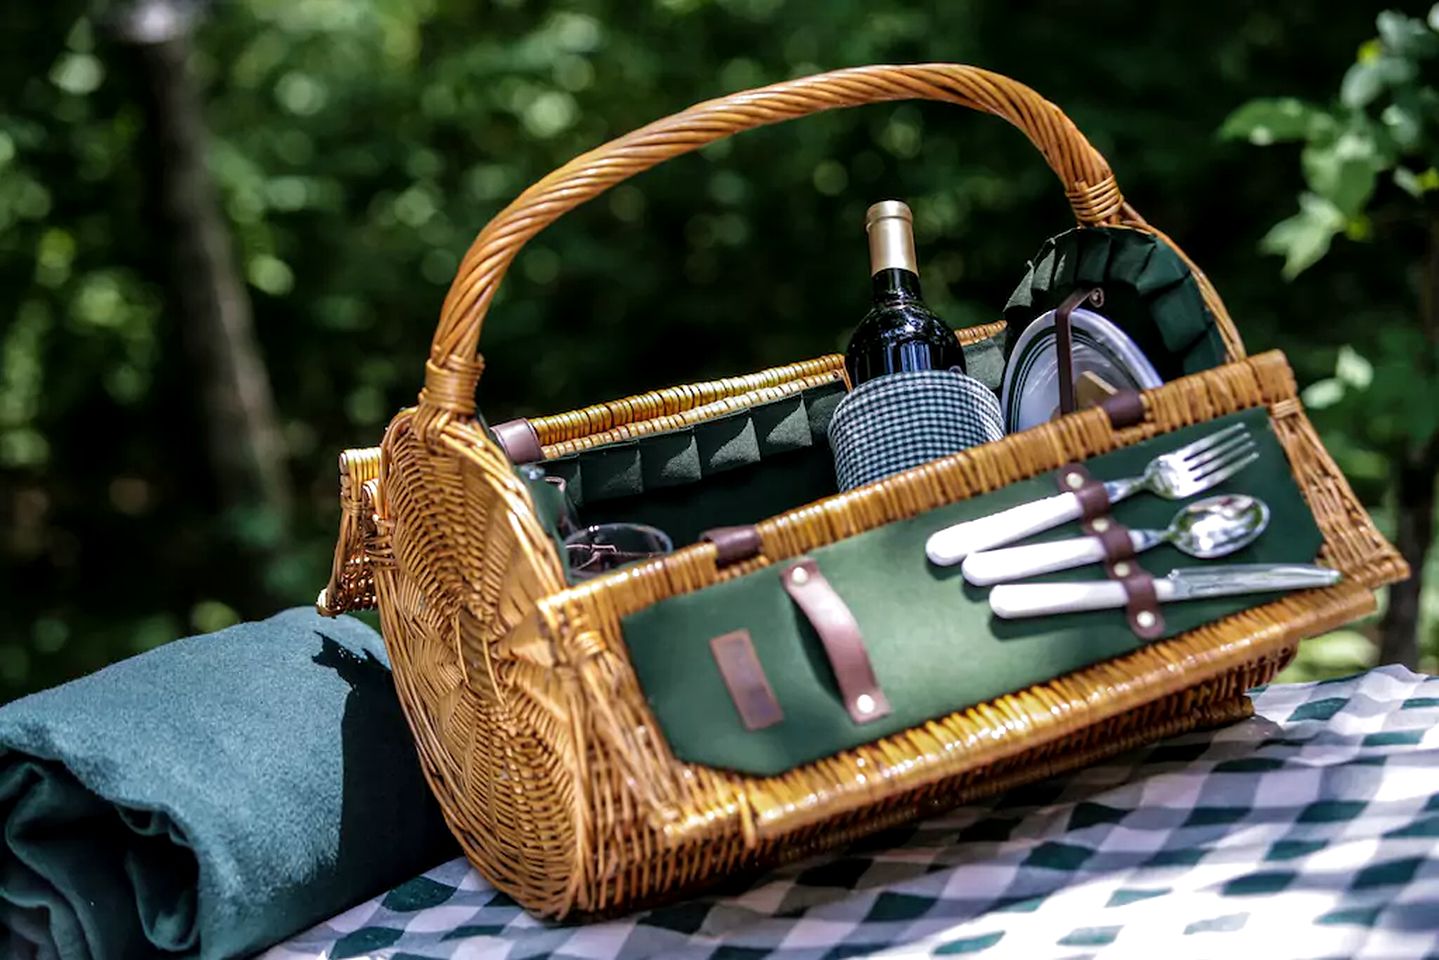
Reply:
x=1129 y=257
x=1094 y=257
x=821 y=411
x=1188 y=329
x=673 y=460
x=782 y=426
x=933 y=642
x=727 y=442
x=985 y=361
x=612 y=471
x=1023 y=296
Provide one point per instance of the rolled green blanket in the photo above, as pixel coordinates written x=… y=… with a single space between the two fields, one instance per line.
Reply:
x=210 y=797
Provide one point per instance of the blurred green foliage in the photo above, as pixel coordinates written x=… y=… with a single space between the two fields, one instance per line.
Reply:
x=359 y=144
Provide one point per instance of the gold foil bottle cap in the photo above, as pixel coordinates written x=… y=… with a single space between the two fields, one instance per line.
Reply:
x=890 y=226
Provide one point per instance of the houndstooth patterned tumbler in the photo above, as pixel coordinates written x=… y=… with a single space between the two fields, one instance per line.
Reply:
x=899 y=421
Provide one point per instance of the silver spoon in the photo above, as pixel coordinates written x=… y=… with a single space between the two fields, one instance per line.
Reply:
x=1206 y=529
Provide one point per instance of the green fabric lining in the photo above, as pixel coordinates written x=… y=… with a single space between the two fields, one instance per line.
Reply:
x=749 y=465
x=934 y=644
x=1149 y=292
x=688 y=455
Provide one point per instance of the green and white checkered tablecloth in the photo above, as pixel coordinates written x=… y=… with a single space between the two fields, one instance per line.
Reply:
x=1307 y=831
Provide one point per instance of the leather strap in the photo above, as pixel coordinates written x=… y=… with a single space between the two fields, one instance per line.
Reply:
x=839 y=633
x=733 y=544
x=1124 y=408
x=1118 y=547
x=1093 y=501
x=1142 y=605
x=744 y=677
x=519 y=441
x=1064 y=341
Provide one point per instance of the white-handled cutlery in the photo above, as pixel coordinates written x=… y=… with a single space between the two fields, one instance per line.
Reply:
x=1013 y=601
x=1178 y=475
x=1206 y=530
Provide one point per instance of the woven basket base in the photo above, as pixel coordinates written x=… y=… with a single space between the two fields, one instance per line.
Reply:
x=1182 y=712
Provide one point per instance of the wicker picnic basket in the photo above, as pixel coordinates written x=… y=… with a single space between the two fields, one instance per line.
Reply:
x=531 y=726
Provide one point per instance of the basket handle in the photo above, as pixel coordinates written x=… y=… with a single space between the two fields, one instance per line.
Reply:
x=453 y=368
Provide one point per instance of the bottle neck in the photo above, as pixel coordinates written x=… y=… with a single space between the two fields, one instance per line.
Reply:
x=895 y=283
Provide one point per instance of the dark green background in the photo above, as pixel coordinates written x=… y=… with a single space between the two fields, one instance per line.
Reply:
x=358 y=146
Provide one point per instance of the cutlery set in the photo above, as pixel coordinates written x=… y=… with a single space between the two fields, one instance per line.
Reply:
x=1206 y=529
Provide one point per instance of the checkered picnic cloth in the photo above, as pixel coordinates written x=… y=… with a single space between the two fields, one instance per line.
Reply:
x=901 y=420
x=1307 y=831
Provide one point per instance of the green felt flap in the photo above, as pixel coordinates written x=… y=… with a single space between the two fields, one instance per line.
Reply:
x=734 y=469
x=1149 y=292
x=933 y=642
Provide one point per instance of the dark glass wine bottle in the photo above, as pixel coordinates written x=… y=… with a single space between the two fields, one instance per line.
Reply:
x=899 y=333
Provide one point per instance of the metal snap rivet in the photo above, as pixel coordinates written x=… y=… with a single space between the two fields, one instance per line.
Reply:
x=1074 y=481
x=1121 y=569
x=799 y=576
x=1099 y=524
x=1145 y=619
x=864 y=703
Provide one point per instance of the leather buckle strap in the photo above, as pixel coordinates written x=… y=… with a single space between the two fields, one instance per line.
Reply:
x=839 y=633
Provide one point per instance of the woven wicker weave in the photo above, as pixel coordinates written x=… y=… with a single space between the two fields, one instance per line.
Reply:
x=531 y=726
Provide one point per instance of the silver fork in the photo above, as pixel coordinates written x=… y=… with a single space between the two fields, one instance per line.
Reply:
x=1177 y=475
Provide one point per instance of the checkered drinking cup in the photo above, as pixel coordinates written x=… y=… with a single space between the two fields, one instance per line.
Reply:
x=902 y=420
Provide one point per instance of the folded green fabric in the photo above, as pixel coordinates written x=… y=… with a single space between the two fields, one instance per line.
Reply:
x=210 y=797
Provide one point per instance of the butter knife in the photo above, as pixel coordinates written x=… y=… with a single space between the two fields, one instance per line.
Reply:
x=1014 y=600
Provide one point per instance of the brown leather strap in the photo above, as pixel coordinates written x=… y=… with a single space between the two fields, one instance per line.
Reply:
x=744 y=677
x=839 y=632
x=733 y=544
x=1064 y=342
x=1142 y=605
x=1114 y=537
x=519 y=440
x=1093 y=501
x=1125 y=408
x=1118 y=547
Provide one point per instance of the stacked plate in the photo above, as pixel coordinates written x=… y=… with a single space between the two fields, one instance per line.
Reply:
x=1030 y=393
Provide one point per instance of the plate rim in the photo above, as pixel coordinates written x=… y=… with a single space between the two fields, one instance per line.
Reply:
x=1101 y=330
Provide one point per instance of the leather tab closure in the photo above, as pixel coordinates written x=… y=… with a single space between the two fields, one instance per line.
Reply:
x=1125 y=408
x=744 y=677
x=1093 y=501
x=843 y=643
x=519 y=440
x=733 y=544
x=1142 y=605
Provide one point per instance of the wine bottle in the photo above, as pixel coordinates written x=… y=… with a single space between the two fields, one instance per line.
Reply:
x=899 y=333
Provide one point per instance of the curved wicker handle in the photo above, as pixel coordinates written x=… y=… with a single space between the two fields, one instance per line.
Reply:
x=453 y=368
